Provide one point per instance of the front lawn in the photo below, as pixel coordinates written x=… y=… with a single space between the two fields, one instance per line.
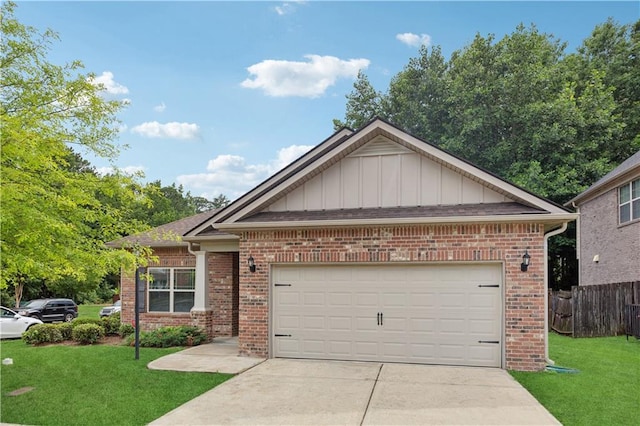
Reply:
x=606 y=391
x=92 y=385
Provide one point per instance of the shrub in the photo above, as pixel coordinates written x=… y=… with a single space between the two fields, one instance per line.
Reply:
x=111 y=324
x=42 y=333
x=87 y=334
x=126 y=330
x=169 y=336
x=78 y=321
x=65 y=329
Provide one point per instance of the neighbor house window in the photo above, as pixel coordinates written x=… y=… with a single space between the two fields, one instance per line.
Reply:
x=171 y=289
x=629 y=196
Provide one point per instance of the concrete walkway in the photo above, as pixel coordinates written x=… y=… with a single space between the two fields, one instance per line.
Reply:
x=306 y=392
x=220 y=356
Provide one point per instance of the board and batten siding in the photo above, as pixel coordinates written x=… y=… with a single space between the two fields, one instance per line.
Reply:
x=385 y=174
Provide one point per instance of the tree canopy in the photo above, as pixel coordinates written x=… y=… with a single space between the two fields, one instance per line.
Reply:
x=54 y=215
x=521 y=106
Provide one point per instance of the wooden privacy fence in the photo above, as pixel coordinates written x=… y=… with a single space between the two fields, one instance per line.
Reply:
x=593 y=310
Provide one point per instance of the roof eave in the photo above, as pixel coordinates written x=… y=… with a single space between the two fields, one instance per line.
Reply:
x=550 y=218
x=602 y=187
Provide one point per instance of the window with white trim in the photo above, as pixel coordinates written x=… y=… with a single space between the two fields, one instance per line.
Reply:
x=171 y=289
x=629 y=201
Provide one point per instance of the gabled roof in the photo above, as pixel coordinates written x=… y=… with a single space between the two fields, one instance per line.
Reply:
x=167 y=235
x=245 y=212
x=626 y=170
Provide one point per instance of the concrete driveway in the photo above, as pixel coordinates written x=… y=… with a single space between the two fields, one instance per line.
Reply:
x=305 y=392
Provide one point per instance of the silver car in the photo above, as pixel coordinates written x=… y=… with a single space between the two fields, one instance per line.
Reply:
x=12 y=325
x=110 y=310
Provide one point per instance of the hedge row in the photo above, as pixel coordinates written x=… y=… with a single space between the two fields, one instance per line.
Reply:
x=82 y=330
x=90 y=330
x=165 y=337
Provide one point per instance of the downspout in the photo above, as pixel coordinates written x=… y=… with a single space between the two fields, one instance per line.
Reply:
x=546 y=289
x=189 y=248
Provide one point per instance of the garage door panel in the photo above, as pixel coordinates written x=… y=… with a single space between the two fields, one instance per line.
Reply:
x=313 y=299
x=431 y=314
x=339 y=299
x=367 y=299
x=339 y=348
x=289 y=321
x=340 y=323
x=289 y=298
x=316 y=323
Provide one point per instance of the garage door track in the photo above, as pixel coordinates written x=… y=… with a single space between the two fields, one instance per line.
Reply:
x=309 y=392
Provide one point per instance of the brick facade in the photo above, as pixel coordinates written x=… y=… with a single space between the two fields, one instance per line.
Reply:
x=221 y=317
x=617 y=246
x=524 y=291
x=223 y=293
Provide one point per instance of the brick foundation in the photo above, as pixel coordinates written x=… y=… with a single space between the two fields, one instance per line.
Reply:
x=524 y=291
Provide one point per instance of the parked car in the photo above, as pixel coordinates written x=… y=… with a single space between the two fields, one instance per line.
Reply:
x=110 y=310
x=50 y=310
x=12 y=324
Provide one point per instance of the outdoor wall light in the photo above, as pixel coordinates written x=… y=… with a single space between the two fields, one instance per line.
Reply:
x=525 y=261
x=251 y=263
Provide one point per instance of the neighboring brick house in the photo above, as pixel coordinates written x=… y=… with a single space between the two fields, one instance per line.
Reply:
x=608 y=229
x=375 y=245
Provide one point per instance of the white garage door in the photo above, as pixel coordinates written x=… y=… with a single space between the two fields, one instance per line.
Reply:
x=436 y=314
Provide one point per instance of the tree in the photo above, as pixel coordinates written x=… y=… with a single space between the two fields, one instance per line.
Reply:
x=417 y=96
x=522 y=108
x=54 y=218
x=363 y=104
x=613 y=52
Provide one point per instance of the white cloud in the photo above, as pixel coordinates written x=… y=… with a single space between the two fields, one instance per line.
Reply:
x=414 y=40
x=283 y=9
x=287 y=8
x=128 y=170
x=173 y=130
x=111 y=87
x=160 y=107
x=305 y=79
x=232 y=176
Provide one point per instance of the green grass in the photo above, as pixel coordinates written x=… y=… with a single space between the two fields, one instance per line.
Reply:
x=92 y=385
x=90 y=311
x=606 y=391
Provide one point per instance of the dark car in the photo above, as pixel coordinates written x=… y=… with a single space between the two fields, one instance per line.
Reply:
x=50 y=310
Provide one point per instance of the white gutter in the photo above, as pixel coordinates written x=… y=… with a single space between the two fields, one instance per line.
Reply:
x=537 y=218
x=546 y=289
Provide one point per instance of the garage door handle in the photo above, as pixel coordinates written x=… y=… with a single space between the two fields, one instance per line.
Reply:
x=283 y=335
x=489 y=341
x=488 y=285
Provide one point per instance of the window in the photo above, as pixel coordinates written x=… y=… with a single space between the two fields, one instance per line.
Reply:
x=171 y=289
x=629 y=199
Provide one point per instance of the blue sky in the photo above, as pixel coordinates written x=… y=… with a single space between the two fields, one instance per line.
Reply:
x=223 y=94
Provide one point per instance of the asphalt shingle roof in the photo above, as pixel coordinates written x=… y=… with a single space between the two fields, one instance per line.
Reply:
x=166 y=235
x=487 y=209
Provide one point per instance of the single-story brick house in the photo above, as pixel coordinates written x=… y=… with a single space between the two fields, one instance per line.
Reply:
x=373 y=246
x=608 y=229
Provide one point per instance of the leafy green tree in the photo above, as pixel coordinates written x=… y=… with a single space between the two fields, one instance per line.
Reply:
x=218 y=202
x=521 y=107
x=613 y=52
x=363 y=104
x=417 y=97
x=53 y=218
